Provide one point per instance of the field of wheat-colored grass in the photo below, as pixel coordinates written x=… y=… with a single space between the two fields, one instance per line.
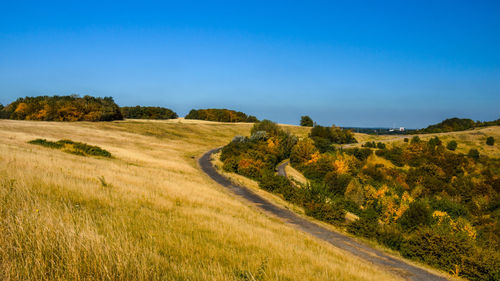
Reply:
x=147 y=213
x=466 y=140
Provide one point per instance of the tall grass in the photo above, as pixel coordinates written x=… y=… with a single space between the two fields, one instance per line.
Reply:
x=146 y=214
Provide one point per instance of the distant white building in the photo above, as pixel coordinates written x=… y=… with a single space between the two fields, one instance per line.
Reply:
x=401 y=129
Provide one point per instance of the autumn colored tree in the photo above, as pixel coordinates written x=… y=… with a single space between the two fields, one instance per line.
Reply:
x=63 y=108
x=303 y=152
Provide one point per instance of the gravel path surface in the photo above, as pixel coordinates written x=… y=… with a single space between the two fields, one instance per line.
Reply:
x=281 y=168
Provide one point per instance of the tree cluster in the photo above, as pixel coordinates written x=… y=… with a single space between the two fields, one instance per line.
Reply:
x=147 y=112
x=325 y=137
x=372 y=144
x=257 y=156
x=63 y=108
x=220 y=115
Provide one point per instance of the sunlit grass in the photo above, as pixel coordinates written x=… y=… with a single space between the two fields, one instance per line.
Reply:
x=466 y=139
x=148 y=213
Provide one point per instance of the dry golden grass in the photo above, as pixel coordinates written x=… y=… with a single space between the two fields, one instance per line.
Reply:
x=472 y=139
x=466 y=139
x=147 y=214
x=295 y=175
x=299 y=131
x=362 y=138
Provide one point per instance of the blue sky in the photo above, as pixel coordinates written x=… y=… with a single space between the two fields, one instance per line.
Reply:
x=350 y=63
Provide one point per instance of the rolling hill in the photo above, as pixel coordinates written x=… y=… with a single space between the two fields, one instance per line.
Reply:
x=147 y=213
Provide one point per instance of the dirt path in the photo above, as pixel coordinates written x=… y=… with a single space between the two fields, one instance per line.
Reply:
x=395 y=266
x=281 y=168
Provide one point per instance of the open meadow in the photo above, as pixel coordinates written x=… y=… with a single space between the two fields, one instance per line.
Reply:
x=146 y=213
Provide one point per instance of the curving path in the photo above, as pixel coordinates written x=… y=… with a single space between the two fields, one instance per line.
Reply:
x=379 y=258
x=281 y=168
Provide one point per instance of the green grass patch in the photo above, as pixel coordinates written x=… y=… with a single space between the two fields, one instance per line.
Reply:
x=77 y=148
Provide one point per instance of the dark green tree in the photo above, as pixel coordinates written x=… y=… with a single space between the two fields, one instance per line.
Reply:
x=418 y=214
x=252 y=119
x=450 y=125
x=452 y=145
x=473 y=153
x=220 y=115
x=435 y=141
x=306 y=121
x=147 y=112
x=490 y=141
x=3 y=114
x=369 y=144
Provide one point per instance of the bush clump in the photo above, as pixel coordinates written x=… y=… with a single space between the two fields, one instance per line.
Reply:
x=452 y=145
x=77 y=148
x=473 y=153
x=325 y=211
x=490 y=141
x=418 y=214
x=46 y=143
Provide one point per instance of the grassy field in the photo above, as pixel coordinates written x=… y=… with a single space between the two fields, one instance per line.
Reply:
x=466 y=140
x=147 y=213
x=473 y=139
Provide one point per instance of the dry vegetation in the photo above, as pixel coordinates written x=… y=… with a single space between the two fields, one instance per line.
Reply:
x=146 y=214
x=295 y=175
x=474 y=138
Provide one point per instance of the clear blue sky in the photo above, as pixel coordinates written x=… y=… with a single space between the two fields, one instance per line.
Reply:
x=351 y=63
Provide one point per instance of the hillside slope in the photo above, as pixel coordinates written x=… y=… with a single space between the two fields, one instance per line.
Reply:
x=148 y=213
x=468 y=139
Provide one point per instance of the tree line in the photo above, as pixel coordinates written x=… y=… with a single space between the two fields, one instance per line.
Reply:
x=220 y=115
x=456 y=124
x=147 y=112
x=88 y=108
x=63 y=108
